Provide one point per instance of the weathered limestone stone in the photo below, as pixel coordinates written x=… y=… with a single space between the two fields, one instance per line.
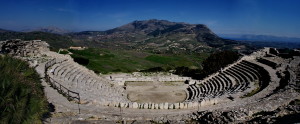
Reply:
x=135 y=105
x=153 y=106
x=202 y=103
x=156 y=106
x=122 y=105
x=181 y=105
x=185 y=105
x=161 y=106
x=146 y=106
x=126 y=105
x=166 y=105
x=110 y=104
x=171 y=106
x=190 y=105
x=130 y=105
x=116 y=104
x=150 y=105
x=195 y=104
x=105 y=103
x=176 y=105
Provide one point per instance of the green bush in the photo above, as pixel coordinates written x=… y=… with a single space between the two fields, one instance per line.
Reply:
x=21 y=94
x=63 y=52
x=154 y=69
x=81 y=60
x=212 y=64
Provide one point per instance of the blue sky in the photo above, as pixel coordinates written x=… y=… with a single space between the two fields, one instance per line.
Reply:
x=268 y=17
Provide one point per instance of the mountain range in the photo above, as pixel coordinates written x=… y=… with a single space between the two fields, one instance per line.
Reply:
x=49 y=29
x=159 y=36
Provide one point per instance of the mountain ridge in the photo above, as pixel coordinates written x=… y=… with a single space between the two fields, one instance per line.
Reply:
x=48 y=29
x=158 y=36
x=155 y=30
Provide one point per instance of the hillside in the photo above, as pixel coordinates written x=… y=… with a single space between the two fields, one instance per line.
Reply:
x=108 y=60
x=49 y=29
x=4 y=30
x=56 y=41
x=158 y=36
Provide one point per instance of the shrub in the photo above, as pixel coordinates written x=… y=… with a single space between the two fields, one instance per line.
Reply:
x=21 y=93
x=81 y=60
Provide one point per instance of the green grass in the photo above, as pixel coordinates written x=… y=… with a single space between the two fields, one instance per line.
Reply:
x=21 y=95
x=63 y=52
x=254 y=91
x=108 y=60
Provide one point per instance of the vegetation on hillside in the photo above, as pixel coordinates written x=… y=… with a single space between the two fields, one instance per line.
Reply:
x=21 y=94
x=212 y=64
x=108 y=60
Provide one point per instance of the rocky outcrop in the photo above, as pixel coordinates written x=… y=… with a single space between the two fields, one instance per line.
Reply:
x=21 y=48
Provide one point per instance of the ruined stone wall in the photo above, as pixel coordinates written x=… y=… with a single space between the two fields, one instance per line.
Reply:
x=21 y=48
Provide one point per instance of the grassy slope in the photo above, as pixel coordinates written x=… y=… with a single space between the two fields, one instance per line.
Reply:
x=21 y=95
x=105 y=60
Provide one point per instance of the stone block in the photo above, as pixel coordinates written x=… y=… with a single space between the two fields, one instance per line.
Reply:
x=161 y=106
x=122 y=105
x=156 y=106
x=146 y=106
x=181 y=105
x=171 y=106
x=135 y=105
x=130 y=105
x=190 y=105
x=166 y=105
x=195 y=104
x=176 y=105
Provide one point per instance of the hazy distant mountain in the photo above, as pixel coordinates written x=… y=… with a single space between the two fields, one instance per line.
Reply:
x=250 y=37
x=4 y=30
x=49 y=29
x=155 y=35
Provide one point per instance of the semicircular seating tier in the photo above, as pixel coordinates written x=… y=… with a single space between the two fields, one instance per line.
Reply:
x=90 y=86
x=236 y=78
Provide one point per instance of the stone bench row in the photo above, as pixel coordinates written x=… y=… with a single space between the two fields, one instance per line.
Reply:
x=101 y=95
x=85 y=82
x=72 y=73
x=215 y=86
x=89 y=86
x=241 y=75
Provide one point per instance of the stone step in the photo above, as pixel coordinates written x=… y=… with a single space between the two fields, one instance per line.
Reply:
x=254 y=72
x=221 y=83
x=237 y=74
x=69 y=69
x=58 y=69
x=193 y=92
x=215 y=85
x=251 y=72
x=70 y=73
x=235 y=77
x=226 y=80
x=241 y=74
x=63 y=69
